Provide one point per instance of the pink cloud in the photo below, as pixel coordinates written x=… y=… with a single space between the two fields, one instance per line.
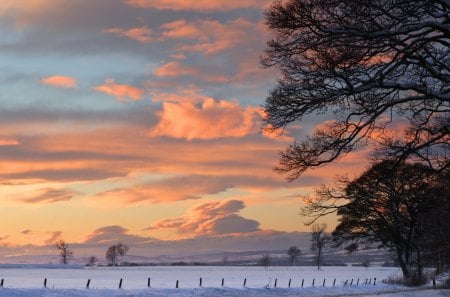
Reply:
x=140 y=34
x=188 y=187
x=122 y=92
x=114 y=234
x=211 y=36
x=175 y=69
x=207 y=120
x=214 y=218
x=60 y=81
x=199 y=5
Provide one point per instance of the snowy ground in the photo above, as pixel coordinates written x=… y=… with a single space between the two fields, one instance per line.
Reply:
x=104 y=282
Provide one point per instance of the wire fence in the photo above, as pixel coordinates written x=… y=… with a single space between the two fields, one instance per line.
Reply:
x=285 y=283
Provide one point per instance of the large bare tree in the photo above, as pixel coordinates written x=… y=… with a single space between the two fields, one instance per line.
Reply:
x=390 y=205
x=367 y=64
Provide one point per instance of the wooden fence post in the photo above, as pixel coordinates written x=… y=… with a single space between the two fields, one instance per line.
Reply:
x=289 y=283
x=303 y=280
x=200 y=282
x=176 y=285
x=45 y=283
x=323 y=285
x=275 y=284
x=88 y=283
x=313 y=282
x=223 y=281
x=245 y=282
x=120 y=284
x=148 y=282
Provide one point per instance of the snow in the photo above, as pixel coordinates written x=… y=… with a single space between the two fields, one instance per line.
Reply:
x=28 y=282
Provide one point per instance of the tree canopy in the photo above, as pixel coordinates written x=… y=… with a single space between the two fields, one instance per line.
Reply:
x=391 y=205
x=115 y=251
x=372 y=65
x=64 y=252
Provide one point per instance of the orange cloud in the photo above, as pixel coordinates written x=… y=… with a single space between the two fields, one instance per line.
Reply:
x=49 y=196
x=8 y=141
x=122 y=92
x=60 y=81
x=207 y=120
x=53 y=237
x=199 y=5
x=140 y=34
x=214 y=218
x=41 y=237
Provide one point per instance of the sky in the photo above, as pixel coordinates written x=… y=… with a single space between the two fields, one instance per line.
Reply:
x=141 y=121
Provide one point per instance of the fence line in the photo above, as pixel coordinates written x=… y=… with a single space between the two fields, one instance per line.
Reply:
x=366 y=282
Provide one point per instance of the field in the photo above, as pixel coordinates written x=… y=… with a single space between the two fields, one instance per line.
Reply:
x=163 y=279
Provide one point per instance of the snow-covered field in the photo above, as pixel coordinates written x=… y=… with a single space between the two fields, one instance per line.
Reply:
x=259 y=282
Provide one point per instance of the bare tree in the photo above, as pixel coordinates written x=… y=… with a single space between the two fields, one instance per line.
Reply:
x=293 y=252
x=319 y=239
x=393 y=205
x=365 y=64
x=265 y=261
x=92 y=260
x=115 y=251
x=64 y=252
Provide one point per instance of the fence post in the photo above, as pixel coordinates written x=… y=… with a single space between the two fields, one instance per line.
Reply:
x=289 y=283
x=313 y=282
x=45 y=283
x=148 y=283
x=323 y=285
x=200 y=282
x=351 y=283
x=374 y=280
x=88 y=283
x=434 y=283
x=275 y=284
x=357 y=282
x=223 y=281
x=176 y=285
x=303 y=280
x=245 y=282
x=346 y=282
x=120 y=284
x=2 y=282
x=334 y=282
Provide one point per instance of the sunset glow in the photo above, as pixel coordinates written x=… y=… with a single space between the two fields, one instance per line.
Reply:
x=141 y=121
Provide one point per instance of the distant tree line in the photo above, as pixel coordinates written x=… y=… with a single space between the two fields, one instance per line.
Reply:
x=113 y=254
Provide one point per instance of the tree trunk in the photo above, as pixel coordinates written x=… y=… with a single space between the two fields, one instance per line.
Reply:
x=403 y=264
x=419 y=265
x=319 y=256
